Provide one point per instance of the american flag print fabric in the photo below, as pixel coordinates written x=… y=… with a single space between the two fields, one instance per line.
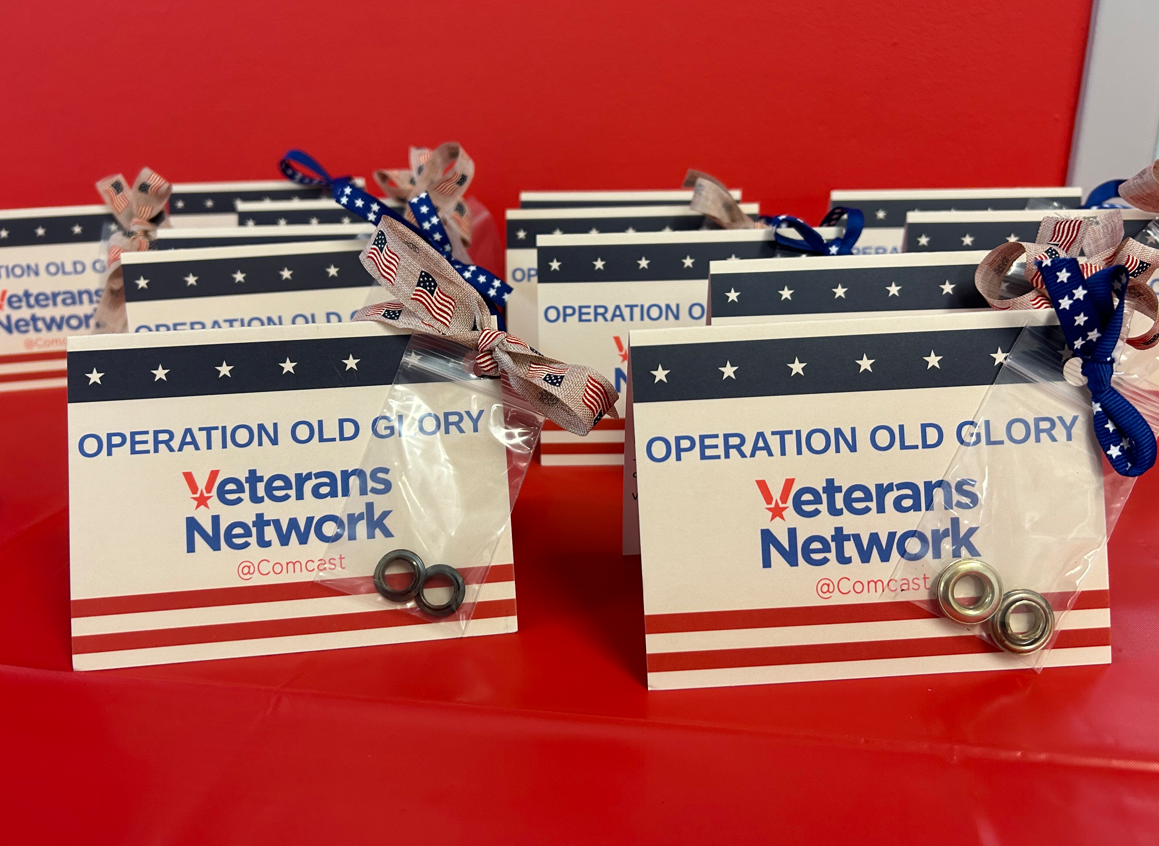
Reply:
x=383 y=257
x=437 y=300
x=439 y=305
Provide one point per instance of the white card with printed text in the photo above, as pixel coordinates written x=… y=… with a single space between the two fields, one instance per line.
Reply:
x=783 y=468
x=210 y=474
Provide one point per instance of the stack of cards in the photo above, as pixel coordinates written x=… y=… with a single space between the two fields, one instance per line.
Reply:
x=240 y=344
x=51 y=276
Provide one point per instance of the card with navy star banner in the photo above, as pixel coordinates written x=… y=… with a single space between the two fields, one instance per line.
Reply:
x=765 y=290
x=211 y=472
x=936 y=231
x=524 y=226
x=217 y=203
x=783 y=470
x=51 y=275
x=581 y=199
x=885 y=211
x=273 y=284
x=594 y=289
x=311 y=212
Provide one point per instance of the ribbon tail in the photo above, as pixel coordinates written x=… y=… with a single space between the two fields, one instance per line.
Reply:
x=810 y=241
x=1123 y=433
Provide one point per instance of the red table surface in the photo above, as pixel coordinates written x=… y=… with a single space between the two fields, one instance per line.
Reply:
x=548 y=735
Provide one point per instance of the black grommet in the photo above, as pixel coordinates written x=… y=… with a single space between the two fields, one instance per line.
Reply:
x=418 y=570
x=458 y=593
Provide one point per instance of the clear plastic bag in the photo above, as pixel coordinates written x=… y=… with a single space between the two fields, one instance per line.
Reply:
x=1029 y=495
x=443 y=466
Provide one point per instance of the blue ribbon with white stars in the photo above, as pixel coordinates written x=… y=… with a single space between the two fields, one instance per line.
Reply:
x=1122 y=432
x=305 y=170
x=812 y=241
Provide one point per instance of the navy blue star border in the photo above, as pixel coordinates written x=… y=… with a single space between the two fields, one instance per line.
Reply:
x=660 y=260
x=843 y=290
x=954 y=234
x=522 y=232
x=187 y=278
x=199 y=370
x=186 y=201
x=886 y=213
x=191 y=238
x=308 y=215
x=826 y=365
x=28 y=228
x=676 y=197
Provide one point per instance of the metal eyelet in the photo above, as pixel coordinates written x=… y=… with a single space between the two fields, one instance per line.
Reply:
x=1032 y=640
x=458 y=592
x=981 y=610
x=418 y=570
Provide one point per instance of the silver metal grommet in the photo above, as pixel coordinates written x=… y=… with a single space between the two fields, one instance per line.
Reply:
x=981 y=610
x=1036 y=637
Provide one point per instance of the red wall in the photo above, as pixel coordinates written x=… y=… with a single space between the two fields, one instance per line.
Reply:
x=786 y=100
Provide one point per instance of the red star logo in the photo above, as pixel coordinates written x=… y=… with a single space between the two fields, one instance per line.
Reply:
x=202 y=499
x=777 y=510
x=620 y=347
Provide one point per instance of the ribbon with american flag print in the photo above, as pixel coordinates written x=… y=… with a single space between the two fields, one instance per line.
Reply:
x=1100 y=243
x=428 y=295
x=422 y=217
x=712 y=199
x=139 y=208
x=444 y=173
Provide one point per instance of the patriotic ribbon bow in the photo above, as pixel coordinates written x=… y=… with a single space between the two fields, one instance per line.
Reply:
x=139 y=209
x=1100 y=242
x=711 y=198
x=304 y=170
x=430 y=296
x=1092 y=321
x=444 y=173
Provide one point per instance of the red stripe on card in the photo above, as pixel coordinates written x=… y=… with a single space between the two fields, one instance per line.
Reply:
x=595 y=448
x=828 y=653
x=604 y=424
x=33 y=374
x=40 y=356
x=246 y=594
x=290 y=627
x=822 y=615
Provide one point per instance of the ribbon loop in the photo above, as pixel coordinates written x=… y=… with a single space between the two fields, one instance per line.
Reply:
x=1102 y=195
x=1099 y=241
x=139 y=208
x=1093 y=321
x=422 y=211
x=444 y=173
x=430 y=295
x=712 y=199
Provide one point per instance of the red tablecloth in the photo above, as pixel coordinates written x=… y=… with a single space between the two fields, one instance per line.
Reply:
x=549 y=735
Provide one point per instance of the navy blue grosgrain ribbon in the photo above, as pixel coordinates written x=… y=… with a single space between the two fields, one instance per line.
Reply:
x=812 y=241
x=1092 y=322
